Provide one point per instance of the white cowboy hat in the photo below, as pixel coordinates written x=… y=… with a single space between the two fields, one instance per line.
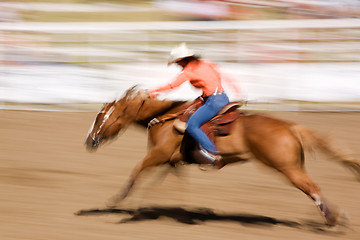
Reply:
x=180 y=52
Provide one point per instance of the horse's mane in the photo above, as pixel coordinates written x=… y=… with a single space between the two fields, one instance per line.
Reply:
x=161 y=107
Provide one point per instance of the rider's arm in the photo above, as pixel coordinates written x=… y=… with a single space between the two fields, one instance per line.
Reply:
x=181 y=78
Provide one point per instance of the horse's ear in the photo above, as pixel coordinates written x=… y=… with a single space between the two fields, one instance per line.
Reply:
x=130 y=91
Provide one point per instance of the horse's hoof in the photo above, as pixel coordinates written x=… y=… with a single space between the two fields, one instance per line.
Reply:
x=111 y=203
x=331 y=213
x=205 y=167
x=332 y=218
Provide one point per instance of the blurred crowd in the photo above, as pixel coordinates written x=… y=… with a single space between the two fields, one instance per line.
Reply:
x=255 y=9
x=203 y=9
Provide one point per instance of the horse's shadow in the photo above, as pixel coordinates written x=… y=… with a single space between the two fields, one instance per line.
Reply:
x=201 y=215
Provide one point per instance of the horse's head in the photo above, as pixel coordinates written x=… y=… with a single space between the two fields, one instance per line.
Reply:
x=114 y=117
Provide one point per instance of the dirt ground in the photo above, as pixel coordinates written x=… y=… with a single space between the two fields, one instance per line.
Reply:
x=52 y=188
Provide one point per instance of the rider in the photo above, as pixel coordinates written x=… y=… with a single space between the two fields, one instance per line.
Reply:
x=204 y=75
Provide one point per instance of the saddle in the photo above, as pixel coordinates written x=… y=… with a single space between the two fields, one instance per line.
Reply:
x=220 y=125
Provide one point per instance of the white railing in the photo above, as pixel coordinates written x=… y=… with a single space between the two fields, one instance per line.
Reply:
x=119 y=55
x=110 y=27
x=229 y=41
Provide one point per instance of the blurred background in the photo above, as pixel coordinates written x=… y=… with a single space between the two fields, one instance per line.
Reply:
x=77 y=54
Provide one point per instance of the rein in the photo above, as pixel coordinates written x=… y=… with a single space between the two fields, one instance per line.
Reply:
x=172 y=116
x=164 y=118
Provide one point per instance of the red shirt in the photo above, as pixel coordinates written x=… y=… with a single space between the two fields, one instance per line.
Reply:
x=201 y=74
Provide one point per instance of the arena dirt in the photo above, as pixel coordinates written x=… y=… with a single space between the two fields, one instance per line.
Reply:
x=52 y=188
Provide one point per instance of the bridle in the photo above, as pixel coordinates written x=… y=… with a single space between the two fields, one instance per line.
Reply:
x=108 y=114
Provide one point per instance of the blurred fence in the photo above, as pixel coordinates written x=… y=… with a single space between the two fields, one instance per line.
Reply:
x=229 y=41
x=121 y=54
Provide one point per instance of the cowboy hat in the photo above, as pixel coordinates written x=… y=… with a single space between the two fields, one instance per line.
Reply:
x=180 y=52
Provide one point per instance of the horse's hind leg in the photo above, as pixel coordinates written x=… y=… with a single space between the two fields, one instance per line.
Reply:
x=302 y=181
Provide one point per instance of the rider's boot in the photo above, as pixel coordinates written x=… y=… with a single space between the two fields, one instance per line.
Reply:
x=219 y=163
x=215 y=160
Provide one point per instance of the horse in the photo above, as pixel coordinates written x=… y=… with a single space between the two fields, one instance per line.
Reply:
x=276 y=143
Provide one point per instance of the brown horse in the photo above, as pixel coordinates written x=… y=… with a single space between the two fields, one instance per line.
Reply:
x=276 y=143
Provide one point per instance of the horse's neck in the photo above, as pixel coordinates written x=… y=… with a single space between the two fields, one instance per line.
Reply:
x=154 y=108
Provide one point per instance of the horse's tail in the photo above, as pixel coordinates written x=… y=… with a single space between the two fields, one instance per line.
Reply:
x=310 y=140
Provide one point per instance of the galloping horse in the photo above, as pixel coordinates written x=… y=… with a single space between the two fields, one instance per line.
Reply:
x=276 y=143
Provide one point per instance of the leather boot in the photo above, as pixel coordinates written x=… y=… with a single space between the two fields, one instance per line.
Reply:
x=219 y=163
x=212 y=159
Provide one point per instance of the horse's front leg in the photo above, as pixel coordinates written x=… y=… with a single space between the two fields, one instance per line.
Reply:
x=156 y=156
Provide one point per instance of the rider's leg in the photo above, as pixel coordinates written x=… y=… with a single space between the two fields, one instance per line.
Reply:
x=211 y=107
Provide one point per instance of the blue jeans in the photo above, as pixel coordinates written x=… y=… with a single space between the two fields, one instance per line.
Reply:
x=212 y=106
